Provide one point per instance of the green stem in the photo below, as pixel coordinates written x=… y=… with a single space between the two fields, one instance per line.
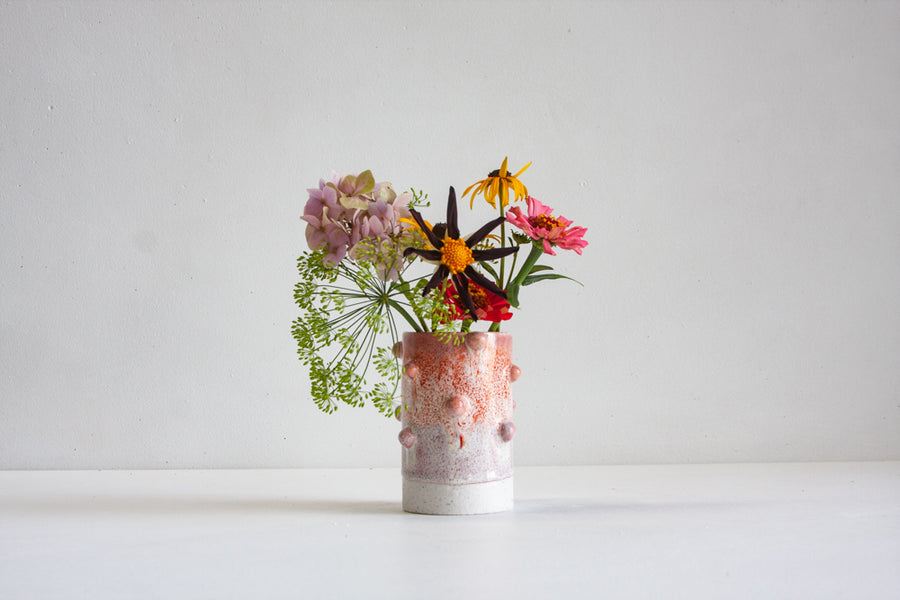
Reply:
x=512 y=269
x=411 y=300
x=502 y=243
x=396 y=306
x=537 y=250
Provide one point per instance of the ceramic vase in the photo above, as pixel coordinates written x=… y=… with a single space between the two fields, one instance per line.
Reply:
x=456 y=418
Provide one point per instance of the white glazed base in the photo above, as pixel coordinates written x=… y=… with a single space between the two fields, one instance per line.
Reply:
x=427 y=498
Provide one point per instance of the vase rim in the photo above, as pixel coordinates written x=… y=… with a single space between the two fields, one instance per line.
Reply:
x=457 y=333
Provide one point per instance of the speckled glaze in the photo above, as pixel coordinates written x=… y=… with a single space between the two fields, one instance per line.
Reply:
x=456 y=418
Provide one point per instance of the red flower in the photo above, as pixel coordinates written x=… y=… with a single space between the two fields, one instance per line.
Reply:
x=488 y=305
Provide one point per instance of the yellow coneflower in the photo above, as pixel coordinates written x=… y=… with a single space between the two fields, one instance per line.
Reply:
x=497 y=185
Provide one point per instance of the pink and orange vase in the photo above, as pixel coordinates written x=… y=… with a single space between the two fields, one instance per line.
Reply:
x=457 y=427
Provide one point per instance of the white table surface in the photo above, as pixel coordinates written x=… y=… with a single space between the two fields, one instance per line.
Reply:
x=812 y=530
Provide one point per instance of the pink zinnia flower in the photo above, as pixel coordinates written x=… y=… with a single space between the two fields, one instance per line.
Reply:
x=552 y=231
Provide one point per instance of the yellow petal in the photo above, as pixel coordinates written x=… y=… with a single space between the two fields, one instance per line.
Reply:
x=520 y=189
x=482 y=189
x=522 y=170
x=503 y=167
x=495 y=190
x=414 y=224
x=475 y=193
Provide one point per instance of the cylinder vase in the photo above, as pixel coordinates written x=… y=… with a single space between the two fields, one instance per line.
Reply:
x=456 y=419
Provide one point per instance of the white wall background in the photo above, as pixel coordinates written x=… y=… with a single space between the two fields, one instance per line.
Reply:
x=737 y=165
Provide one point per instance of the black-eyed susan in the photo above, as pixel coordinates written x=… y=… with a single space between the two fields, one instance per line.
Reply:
x=498 y=184
x=455 y=257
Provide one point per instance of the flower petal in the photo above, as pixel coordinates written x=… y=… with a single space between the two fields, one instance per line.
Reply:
x=462 y=286
x=432 y=239
x=493 y=253
x=479 y=235
x=475 y=193
x=519 y=189
x=452 y=225
x=432 y=255
x=440 y=274
x=484 y=281
x=493 y=192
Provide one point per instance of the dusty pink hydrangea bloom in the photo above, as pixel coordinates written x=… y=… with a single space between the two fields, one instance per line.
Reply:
x=343 y=211
x=540 y=225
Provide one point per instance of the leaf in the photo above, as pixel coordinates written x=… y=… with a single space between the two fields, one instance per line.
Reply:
x=512 y=294
x=521 y=238
x=490 y=270
x=537 y=268
x=535 y=278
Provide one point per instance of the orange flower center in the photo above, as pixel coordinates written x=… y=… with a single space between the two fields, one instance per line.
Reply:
x=479 y=297
x=456 y=255
x=545 y=222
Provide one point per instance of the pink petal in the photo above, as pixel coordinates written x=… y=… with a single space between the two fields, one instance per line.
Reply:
x=548 y=248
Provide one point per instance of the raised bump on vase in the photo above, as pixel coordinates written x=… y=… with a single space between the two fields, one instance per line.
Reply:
x=407 y=437
x=476 y=340
x=456 y=406
x=507 y=430
x=514 y=373
x=411 y=370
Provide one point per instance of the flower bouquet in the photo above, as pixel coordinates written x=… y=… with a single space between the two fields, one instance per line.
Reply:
x=361 y=278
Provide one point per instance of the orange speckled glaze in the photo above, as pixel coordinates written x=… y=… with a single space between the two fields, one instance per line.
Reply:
x=456 y=395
